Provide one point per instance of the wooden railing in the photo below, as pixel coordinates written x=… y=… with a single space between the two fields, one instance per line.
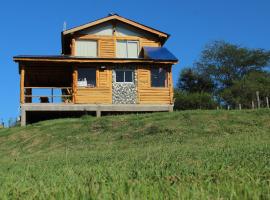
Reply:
x=65 y=98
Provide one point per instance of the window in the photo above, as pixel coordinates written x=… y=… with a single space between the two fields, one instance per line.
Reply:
x=87 y=77
x=127 y=49
x=87 y=48
x=124 y=76
x=158 y=77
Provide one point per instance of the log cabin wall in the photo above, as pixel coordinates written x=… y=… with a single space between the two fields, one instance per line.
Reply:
x=107 y=44
x=106 y=36
x=153 y=95
x=146 y=94
x=102 y=93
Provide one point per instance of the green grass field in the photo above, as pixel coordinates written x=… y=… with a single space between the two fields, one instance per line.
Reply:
x=180 y=155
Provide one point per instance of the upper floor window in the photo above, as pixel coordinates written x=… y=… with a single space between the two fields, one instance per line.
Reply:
x=127 y=49
x=87 y=77
x=87 y=48
x=159 y=77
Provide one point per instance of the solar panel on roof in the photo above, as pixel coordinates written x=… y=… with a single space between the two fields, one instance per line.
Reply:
x=158 y=53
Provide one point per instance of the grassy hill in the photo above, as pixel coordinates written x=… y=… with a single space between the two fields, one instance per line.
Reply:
x=187 y=155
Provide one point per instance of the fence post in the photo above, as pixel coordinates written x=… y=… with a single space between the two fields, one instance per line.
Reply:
x=228 y=107
x=258 y=99
x=267 y=102
x=240 y=106
x=253 y=105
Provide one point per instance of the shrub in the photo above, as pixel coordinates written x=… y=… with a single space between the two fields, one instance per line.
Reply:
x=189 y=101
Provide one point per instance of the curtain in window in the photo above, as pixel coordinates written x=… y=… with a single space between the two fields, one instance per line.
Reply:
x=87 y=48
x=158 y=77
x=127 y=49
x=121 y=49
x=132 y=49
x=86 y=77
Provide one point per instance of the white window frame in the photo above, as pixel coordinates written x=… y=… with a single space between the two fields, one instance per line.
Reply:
x=129 y=41
x=124 y=70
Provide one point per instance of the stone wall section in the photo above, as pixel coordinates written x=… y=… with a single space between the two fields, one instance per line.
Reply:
x=124 y=93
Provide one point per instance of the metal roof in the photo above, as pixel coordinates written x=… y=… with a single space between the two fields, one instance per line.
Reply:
x=158 y=53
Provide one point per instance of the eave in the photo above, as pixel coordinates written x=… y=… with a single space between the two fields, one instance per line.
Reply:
x=75 y=59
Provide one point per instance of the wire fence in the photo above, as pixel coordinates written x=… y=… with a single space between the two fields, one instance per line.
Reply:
x=257 y=103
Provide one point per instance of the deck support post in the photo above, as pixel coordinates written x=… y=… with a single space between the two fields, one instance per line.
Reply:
x=98 y=113
x=23 y=117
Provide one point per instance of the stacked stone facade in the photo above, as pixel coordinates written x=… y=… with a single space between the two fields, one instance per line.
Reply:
x=124 y=93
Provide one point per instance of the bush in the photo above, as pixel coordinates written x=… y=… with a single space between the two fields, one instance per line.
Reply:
x=189 y=101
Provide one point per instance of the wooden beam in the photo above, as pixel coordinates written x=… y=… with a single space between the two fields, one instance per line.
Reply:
x=74 y=83
x=28 y=95
x=22 y=84
x=74 y=60
x=97 y=77
x=110 y=83
x=98 y=48
x=171 y=85
x=73 y=48
x=48 y=87
x=107 y=37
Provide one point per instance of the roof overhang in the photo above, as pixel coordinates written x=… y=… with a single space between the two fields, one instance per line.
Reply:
x=76 y=59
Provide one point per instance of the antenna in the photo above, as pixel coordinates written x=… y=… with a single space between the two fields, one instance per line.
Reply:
x=64 y=26
x=112 y=13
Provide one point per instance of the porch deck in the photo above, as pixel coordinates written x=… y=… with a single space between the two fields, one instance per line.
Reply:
x=98 y=108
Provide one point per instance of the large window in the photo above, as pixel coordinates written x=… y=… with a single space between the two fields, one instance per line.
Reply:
x=124 y=76
x=158 y=77
x=127 y=49
x=87 y=48
x=87 y=77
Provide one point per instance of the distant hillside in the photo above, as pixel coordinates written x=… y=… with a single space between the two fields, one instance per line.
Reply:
x=187 y=155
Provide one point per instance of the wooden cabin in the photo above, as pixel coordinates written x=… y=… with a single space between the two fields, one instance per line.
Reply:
x=109 y=65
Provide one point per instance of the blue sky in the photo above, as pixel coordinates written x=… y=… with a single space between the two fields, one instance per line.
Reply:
x=33 y=27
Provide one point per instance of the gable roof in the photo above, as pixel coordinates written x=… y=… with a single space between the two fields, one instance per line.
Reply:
x=117 y=18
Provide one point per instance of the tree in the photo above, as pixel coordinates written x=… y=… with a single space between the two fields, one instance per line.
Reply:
x=244 y=91
x=225 y=63
x=231 y=73
x=191 y=81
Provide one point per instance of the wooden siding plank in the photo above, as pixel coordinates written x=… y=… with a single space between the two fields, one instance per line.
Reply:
x=74 y=83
